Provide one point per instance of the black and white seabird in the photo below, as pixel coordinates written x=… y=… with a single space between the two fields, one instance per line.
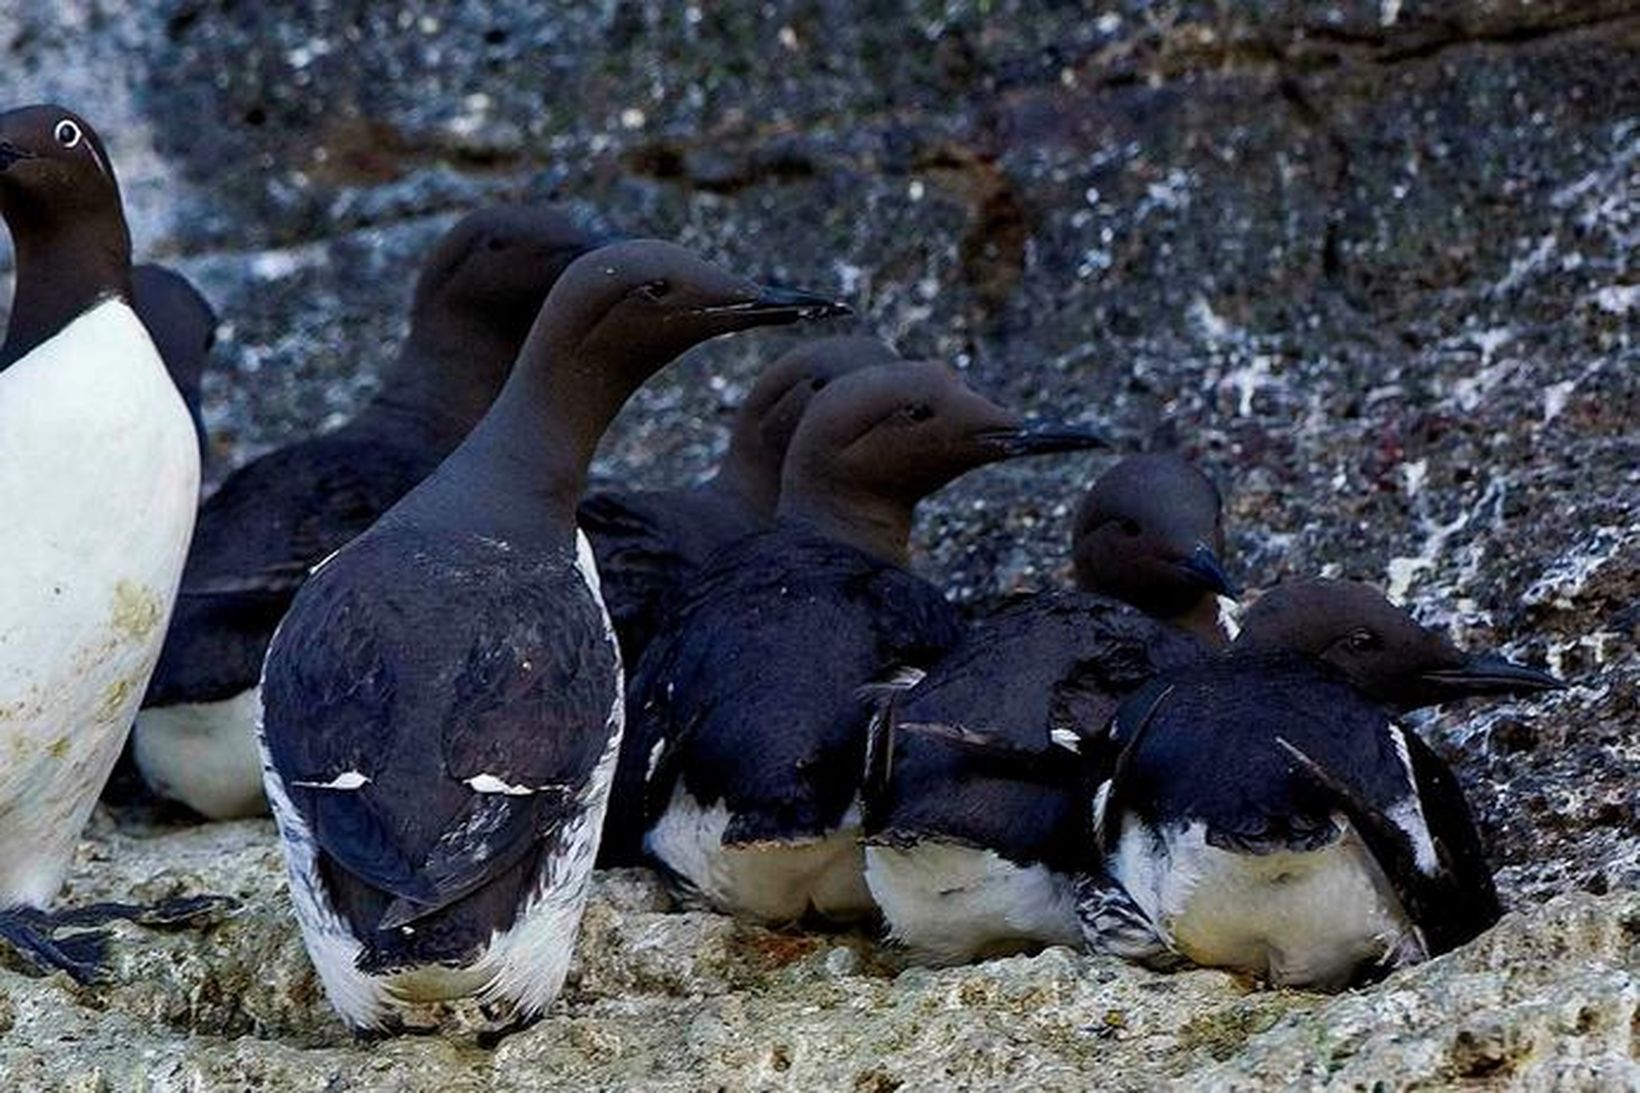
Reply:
x=275 y=518
x=747 y=700
x=649 y=545
x=183 y=326
x=443 y=702
x=1265 y=813
x=968 y=856
x=99 y=479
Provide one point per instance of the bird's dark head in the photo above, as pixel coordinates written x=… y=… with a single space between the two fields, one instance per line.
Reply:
x=767 y=419
x=784 y=389
x=59 y=197
x=1150 y=532
x=493 y=270
x=644 y=302
x=1379 y=647
x=883 y=438
x=54 y=170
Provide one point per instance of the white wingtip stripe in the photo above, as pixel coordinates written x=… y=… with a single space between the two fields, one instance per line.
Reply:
x=348 y=779
x=489 y=783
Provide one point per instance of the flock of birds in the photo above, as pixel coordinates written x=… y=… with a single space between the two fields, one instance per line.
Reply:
x=459 y=679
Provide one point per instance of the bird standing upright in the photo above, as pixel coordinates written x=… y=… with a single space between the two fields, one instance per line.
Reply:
x=99 y=478
x=443 y=703
x=650 y=545
x=275 y=518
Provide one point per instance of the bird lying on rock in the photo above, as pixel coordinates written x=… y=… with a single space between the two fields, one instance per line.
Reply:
x=649 y=545
x=966 y=859
x=1265 y=813
x=443 y=702
x=274 y=519
x=99 y=479
x=745 y=704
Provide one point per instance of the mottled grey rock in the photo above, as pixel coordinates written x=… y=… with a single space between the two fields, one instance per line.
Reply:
x=669 y=999
x=1370 y=263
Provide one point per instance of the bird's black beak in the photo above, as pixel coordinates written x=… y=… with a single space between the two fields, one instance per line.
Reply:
x=1490 y=675
x=774 y=304
x=1203 y=567
x=10 y=154
x=1041 y=439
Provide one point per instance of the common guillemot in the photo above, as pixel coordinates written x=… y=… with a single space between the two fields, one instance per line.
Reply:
x=99 y=479
x=747 y=700
x=968 y=856
x=1265 y=813
x=275 y=518
x=182 y=325
x=443 y=702
x=648 y=545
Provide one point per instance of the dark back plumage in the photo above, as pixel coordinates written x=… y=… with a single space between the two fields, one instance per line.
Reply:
x=504 y=672
x=275 y=518
x=772 y=646
x=1059 y=662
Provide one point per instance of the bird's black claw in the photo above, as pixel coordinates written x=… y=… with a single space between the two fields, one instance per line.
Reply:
x=82 y=955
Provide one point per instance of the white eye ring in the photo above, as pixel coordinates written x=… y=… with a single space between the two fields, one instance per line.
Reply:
x=67 y=133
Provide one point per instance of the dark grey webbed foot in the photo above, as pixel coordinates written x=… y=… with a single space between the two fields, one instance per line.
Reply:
x=33 y=935
x=176 y=912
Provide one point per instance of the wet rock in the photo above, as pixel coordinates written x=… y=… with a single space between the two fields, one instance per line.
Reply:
x=1369 y=263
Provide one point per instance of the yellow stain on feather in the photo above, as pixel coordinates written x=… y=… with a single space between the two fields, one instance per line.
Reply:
x=136 y=610
x=113 y=699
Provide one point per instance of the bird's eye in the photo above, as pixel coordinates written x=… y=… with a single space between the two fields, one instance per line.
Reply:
x=1130 y=528
x=654 y=290
x=817 y=384
x=495 y=242
x=1362 y=641
x=917 y=411
x=67 y=133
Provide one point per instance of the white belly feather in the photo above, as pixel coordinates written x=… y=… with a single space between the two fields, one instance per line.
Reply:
x=203 y=754
x=1302 y=918
x=775 y=882
x=99 y=479
x=949 y=904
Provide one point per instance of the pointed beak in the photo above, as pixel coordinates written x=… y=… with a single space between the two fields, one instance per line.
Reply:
x=10 y=154
x=1040 y=438
x=1204 y=568
x=1490 y=675
x=774 y=304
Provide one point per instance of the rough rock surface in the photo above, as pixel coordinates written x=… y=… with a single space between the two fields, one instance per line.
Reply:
x=1371 y=264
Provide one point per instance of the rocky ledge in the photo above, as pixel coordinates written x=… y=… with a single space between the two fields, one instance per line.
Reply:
x=661 y=998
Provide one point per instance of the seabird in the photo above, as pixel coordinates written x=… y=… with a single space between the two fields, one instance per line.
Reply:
x=443 y=702
x=649 y=545
x=747 y=700
x=966 y=855
x=99 y=479
x=275 y=518
x=1266 y=813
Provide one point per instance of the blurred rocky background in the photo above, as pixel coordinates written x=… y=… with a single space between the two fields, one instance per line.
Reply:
x=1369 y=263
